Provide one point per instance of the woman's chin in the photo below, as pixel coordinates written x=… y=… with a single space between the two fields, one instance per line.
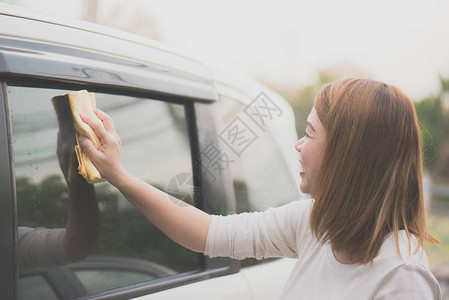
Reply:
x=304 y=188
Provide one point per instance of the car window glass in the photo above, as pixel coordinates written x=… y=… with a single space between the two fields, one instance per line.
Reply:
x=104 y=227
x=35 y=287
x=261 y=177
x=100 y=280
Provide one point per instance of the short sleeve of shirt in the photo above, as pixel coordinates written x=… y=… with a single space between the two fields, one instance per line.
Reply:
x=40 y=247
x=273 y=233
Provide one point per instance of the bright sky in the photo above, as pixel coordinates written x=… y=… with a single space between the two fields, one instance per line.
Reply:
x=286 y=42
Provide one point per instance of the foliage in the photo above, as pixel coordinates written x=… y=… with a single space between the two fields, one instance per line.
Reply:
x=431 y=122
x=434 y=120
x=44 y=204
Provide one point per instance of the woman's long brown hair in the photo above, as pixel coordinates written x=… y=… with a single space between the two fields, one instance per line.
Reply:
x=370 y=182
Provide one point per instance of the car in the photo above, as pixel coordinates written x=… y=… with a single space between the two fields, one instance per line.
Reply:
x=205 y=135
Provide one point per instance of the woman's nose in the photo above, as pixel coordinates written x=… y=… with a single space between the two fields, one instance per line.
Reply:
x=298 y=144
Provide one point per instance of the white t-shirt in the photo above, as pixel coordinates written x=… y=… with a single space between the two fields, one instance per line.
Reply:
x=285 y=231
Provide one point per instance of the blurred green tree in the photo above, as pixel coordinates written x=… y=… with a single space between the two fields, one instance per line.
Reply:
x=431 y=121
x=43 y=204
x=301 y=100
x=433 y=115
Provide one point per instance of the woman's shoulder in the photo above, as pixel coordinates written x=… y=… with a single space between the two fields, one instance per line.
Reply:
x=295 y=215
x=409 y=251
x=409 y=280
x=403 y=270
x=297 y=210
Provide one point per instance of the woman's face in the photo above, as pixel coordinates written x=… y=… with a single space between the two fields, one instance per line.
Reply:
x=311 y=149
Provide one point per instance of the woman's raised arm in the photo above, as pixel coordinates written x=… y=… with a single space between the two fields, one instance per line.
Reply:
x=181 y=222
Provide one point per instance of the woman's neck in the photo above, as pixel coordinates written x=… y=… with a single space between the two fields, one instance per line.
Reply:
x=343 y=258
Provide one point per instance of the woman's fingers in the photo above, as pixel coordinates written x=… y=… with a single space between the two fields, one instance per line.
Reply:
x=97 y=126
x=87 y=145
x=107 y=122
x=107 y=159
x=106 y=119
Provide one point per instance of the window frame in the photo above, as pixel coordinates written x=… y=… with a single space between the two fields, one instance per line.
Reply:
x=8 y=212
x=205 y=268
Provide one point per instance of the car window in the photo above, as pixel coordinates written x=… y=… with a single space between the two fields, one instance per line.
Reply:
x=100 y=280
x=61 y=223
x=35 y=287
x=260 y=175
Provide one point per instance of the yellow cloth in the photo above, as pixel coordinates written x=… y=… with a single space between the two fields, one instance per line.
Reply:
x=66 y=138
x=82 y=101
x=68 y=108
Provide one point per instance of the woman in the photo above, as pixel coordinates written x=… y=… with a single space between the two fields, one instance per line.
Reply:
x=362 y=234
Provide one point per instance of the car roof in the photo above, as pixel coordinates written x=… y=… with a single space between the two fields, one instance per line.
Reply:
x=56 y=30
x=24 y=13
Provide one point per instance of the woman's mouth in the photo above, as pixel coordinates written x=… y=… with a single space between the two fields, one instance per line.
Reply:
x=302 y=171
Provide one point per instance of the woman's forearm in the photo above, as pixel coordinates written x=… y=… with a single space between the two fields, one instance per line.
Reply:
x=183 y=223
x=83 y=225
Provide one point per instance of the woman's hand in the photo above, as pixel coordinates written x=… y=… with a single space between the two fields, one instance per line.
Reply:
x=107 y=159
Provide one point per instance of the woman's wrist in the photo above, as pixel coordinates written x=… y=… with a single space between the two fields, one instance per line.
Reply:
x=119 y=178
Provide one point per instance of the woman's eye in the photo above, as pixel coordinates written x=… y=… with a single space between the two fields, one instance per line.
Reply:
x=306 y=135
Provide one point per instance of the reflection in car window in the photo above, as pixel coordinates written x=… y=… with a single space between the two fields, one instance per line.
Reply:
x=35 y=287
x=101 y=221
